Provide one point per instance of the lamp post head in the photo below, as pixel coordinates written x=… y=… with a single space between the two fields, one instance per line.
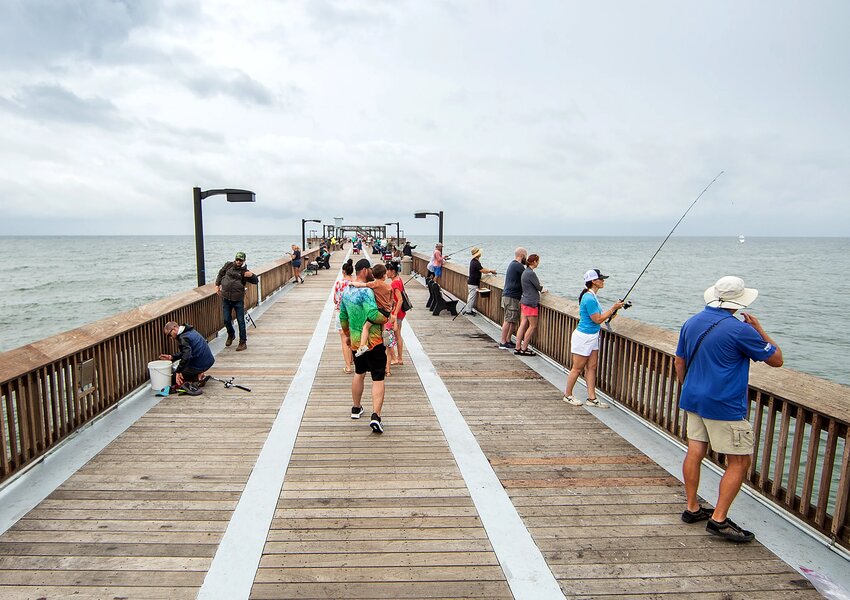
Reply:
x=232 y=194
x=241 y=196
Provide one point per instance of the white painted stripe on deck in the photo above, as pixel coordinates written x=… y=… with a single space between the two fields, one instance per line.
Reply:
x=525 y=569
x=234 y=566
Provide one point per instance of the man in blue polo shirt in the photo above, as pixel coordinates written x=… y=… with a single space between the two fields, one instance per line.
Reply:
x=713 y=367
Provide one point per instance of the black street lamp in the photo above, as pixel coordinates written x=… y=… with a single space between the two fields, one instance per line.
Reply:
x=303 y=234
x=397 y=232
x=422 y=214
x=198 y=195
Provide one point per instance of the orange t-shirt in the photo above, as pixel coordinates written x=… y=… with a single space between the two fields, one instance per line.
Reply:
x=383 y=294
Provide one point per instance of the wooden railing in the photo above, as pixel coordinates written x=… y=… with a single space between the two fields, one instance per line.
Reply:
x=51 y=388
x=802 y=455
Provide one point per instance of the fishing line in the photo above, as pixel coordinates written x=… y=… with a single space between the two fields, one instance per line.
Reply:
x=682 y=218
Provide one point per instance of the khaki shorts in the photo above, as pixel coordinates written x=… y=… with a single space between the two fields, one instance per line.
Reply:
x=725 y=437
x=511 y=306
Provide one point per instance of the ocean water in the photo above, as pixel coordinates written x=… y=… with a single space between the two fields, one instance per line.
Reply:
x=51 y=284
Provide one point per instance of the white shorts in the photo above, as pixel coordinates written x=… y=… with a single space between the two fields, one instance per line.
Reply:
x=337 y=325
x=584 y=343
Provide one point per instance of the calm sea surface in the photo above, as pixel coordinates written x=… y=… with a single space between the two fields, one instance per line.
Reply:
x=52 y=284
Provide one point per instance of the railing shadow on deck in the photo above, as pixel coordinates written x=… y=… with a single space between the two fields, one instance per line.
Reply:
x=811 y=480
x=51 y=388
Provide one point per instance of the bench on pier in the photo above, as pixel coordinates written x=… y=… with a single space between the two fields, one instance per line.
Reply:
x=439 y=300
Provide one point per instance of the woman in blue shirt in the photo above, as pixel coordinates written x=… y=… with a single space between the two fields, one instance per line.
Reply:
x=584 y=344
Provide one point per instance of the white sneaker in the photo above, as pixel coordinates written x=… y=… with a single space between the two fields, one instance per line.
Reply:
x=572 y=400
x=595 y=402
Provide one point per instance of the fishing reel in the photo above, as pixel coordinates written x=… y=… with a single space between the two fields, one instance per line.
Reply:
x=228 y=383
x=627 y=305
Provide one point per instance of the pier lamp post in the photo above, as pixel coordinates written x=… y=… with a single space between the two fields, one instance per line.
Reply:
x=198 y=195
x=397 y=231
x=303 y=234
x=422 y=214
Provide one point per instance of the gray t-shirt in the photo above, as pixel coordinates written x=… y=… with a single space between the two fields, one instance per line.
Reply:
x=530 y=288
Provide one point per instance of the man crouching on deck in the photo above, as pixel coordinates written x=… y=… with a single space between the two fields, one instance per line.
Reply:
x=713 y=368
x=356 y=306
x=195 y=358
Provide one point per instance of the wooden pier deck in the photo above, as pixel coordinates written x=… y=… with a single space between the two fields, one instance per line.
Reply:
x=366 y=516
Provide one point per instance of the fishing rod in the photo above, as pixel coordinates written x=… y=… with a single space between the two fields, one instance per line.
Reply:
x=682 y=218
x=461 y=250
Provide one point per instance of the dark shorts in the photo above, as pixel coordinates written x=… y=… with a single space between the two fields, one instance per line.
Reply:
x=296 y=263
x=374 y=361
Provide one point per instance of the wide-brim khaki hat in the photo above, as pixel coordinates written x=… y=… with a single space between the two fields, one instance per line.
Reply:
x=729 y=292
x=476 y=252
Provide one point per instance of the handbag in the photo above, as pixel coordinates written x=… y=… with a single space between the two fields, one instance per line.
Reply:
x=406 y=306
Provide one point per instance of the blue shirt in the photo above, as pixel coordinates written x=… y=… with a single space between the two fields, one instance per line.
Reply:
x=589 y=305
x=717 y=377
x=513 y=280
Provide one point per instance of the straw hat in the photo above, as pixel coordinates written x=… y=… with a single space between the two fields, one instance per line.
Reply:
x=476 y=252
x=729 y=292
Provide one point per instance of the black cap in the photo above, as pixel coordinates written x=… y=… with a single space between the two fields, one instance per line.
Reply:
x=363 y=263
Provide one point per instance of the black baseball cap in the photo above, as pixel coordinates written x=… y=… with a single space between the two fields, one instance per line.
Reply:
x=361 y=264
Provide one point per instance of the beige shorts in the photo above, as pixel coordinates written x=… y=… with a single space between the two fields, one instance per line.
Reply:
x=511 y=306
x=725 y=437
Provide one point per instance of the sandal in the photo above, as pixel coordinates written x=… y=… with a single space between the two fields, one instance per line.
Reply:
x=525 y=352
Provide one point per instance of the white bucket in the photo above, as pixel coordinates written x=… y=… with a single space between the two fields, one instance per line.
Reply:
x=160 y=371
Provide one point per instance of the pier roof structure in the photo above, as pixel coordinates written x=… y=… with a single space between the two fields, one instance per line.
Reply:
x=484 y=485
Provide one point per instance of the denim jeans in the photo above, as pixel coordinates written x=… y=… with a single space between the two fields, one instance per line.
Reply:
x=227 y=306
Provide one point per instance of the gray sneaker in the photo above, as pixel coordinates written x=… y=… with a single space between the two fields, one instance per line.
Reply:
x=596 y=403
x=572 y=400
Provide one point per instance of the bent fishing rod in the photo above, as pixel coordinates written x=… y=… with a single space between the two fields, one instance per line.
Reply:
x=682 y=218
x=461 y=250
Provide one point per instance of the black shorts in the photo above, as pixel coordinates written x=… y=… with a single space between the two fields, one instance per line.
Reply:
x=374 y=361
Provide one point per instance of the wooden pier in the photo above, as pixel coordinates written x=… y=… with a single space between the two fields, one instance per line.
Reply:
x=361 y=515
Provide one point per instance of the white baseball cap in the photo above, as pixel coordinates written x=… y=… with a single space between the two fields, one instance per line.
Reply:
x=729 y=292
x=593 y=275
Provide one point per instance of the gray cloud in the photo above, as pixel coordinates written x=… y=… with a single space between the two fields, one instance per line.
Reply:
x=52 y=102
x=334 y=19
x=38 y=31
x=233 y=83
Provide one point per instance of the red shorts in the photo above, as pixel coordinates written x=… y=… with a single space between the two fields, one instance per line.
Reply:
x=529 y=311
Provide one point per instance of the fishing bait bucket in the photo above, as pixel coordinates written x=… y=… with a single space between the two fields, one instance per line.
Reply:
x=160 y=371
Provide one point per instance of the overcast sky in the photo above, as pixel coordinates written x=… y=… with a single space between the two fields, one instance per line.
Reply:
x=582 y=118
